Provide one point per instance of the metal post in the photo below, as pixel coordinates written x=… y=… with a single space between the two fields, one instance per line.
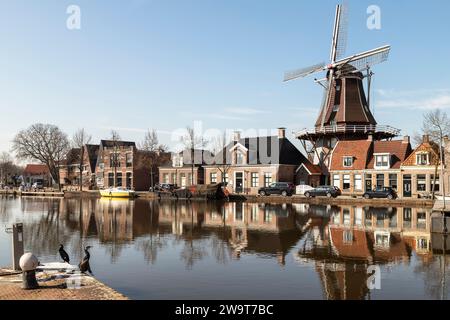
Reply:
x=17 y=245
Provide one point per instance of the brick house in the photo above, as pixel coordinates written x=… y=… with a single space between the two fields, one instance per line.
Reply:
x=252 y=163
x=37 y=173
x=69 y=171
x=179 y=170
x=121 y=164
x=361 y=165
x=421 y=170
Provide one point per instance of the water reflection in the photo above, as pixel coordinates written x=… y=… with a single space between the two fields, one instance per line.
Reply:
x=336 y=244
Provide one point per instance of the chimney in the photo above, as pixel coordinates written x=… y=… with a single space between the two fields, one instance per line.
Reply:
x=426 y=138
x=281 y=133
x=406 y=139
x=237 y=136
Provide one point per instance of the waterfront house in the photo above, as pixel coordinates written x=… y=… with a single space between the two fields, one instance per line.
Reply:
x=185 y=168
x=362 y=165
x=246 y=164
x=421 y=170
x=121 y=164
x=37 y=173
x=69 y=170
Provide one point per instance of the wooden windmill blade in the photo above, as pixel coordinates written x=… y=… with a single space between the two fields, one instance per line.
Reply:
x=365 y=59
x=340 y=33
x=301 y=73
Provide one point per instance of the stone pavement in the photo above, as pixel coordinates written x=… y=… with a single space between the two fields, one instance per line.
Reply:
x=55 y=288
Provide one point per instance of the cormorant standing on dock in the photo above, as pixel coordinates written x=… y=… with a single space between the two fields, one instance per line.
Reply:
x=63 y=254
x=84 y=264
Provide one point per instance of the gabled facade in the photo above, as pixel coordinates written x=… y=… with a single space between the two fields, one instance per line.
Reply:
x=421 y=168
x=69 y=170
x=246 y=164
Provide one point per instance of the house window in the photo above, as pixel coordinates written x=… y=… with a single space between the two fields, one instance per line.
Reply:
x=382 y=161
x=336 y=181
x=267 y=179
x=436 y=184
x=421 y=183
x=225 y=178
x=239 y=157
x=177 y=161
x=119 y=179
x=213 y=177
x=407 y=214
x=422 y=159
x=114 y=160
x=348 y=236
x=255 y=182
x=393 y=181
x=166 y=178
x=347 y=218
x=358 y=182
x=254 y=216
x=174 y=178
x=190 y=181
x=421 y=220
x=129 y=160
x=183 y=180
x=346 y=182
x=110 y=179
x=129 y=180
x=380 y=181
x=348 y=162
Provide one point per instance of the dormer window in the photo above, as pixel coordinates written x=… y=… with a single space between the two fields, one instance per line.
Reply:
x=422 y=159
x=239 y=157
x=177 y=161
x=348 y=162
x=382 y=161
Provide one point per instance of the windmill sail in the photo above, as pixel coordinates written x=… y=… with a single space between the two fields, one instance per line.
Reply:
x=340 y=33
x=300 y=73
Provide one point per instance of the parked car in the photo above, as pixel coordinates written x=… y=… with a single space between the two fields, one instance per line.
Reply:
x=282 y=188
x=301 y=189
x=324 y=191
x=164 y=187
x=37 y=186
x=381 y=193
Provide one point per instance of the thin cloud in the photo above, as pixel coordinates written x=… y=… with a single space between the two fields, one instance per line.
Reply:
x=408 y=99
x=245 y=111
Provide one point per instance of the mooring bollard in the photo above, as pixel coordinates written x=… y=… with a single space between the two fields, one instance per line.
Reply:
x=29 y=263
x=17 y=243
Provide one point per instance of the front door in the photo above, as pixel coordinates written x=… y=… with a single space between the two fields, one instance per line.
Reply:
x=239 y=182
x=407 y=193
x=368 y=184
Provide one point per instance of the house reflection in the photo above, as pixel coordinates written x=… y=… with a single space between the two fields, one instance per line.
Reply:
x=357 y=237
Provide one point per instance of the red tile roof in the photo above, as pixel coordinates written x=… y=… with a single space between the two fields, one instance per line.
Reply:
x=312 y=168
x=36 y=169
x=398 y=149
x=359 y=149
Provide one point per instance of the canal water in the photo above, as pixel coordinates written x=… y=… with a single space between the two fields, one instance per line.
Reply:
x=213 y=250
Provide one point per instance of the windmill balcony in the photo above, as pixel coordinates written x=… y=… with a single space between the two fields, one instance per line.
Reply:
x=383 y=131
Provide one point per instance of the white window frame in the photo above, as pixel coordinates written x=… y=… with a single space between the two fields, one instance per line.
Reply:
x=358 y=182
x=344 y=160
x=382 y=166
x=337 y=182
x=421 y=154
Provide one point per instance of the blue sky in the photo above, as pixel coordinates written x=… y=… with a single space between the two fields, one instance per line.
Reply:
x=164 y=64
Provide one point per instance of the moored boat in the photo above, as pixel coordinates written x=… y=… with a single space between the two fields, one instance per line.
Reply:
x=117 y=193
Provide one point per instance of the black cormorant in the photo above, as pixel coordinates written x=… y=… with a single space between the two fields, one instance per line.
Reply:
x=63 y=254
x=84 y=264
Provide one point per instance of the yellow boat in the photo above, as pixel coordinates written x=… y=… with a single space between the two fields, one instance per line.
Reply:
x=117 y=193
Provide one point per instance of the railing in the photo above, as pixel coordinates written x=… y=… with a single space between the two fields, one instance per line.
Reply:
x=349 y=129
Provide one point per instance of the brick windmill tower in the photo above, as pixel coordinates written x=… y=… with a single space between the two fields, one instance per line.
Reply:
x=345 y=111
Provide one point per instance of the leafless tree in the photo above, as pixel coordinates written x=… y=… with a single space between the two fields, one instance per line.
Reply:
x=191 y=142
x=436 y=125
x=115 y=161
x=45 y=143
x=222 y=161
x=79 y=140
x=154 y=152
x=6 y=166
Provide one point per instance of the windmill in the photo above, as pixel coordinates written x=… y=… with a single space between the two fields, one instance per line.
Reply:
x=345 y=110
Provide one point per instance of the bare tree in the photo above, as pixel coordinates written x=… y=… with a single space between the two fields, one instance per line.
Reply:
x=115 y=138
x=191 y=141
x=154 y=151
x=79 y=140
x=436 y=125
x=45 y=143
x=6 y=164
x=222 y=161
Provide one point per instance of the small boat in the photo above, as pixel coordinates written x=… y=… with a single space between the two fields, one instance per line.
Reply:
x=117 y=193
